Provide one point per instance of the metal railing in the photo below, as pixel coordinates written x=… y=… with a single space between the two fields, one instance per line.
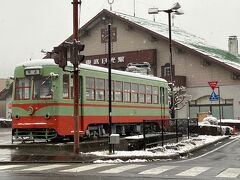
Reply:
x=170 y=130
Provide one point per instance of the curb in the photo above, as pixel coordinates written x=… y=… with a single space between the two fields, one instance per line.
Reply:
x=174 y=156
x=148 y=158
x=202 y=146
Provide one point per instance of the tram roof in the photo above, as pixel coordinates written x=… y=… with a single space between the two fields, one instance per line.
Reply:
x=45 y=62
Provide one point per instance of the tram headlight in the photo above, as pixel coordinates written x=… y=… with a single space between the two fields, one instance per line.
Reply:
x=47 y=116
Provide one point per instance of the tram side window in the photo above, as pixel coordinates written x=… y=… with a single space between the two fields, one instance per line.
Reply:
x=106 y=90
x=22 y=88
x=126 y=92
x=99 y=87
x=90 y=93
x=155 y=95
x=134 y=93
x=42 y=88
x=149 y=94
x=142 y=92
x=118 y=91
x=65 y=86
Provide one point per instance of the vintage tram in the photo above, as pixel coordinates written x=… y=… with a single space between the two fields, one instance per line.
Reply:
x=42 y=106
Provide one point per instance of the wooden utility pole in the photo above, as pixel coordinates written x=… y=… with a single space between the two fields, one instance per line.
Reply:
x=76 y=80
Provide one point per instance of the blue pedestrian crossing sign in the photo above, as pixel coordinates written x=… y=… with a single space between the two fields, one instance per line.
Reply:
x=213 y=97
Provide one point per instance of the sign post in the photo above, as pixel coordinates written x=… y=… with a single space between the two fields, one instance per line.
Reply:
x=215 y=97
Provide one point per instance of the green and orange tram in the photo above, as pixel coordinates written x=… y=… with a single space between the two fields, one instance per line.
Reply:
x=42 y=106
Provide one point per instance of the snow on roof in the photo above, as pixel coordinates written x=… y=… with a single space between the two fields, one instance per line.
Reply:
x=42 y=62
x=187 y=39
x=124 y=73
x=37 y=62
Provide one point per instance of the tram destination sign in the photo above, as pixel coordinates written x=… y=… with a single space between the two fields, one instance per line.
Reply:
x=32 y=72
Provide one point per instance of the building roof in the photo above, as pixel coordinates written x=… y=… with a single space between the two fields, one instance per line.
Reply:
x=180 y=38
x=6 y=92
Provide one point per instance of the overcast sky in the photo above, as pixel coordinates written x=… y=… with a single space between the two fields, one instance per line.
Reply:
x=27 y=26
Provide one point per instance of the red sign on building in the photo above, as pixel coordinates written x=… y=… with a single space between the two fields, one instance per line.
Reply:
x=212 y=84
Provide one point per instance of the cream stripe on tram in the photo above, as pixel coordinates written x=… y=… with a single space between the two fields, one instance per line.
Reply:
x=122 y=168
x=10 y=166
x=230 y=173
x=193 y=171
x=86 y=168
x=157 y=170
x=45 y=167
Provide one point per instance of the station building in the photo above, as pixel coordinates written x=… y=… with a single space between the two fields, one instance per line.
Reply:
x=194 y=62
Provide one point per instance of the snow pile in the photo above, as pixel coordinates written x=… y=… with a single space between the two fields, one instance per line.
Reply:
x=168 y=151
x=210 y=120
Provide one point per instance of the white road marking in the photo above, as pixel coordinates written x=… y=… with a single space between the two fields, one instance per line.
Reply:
x=10 y=166
x=122 y=168
x=86 y=168
x=230 y=173
x=45 y=167
x=157 y=170
x=193 y=171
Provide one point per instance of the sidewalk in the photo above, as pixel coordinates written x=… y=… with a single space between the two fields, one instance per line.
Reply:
x=169 y=151
x=51 y=153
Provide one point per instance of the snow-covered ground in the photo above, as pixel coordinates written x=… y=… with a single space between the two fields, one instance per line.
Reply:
x=167 y=152
x=4 y=119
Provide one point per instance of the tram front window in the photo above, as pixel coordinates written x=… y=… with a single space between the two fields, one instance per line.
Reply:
x=22 y=88
x=42 y=88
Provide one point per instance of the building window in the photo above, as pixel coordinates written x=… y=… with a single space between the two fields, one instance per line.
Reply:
x=166 y=71
x=104 y=35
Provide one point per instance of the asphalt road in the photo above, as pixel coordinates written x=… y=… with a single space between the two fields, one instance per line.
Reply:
x=221 y=161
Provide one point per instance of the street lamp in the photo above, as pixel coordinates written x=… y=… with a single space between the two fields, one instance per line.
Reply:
x=176 y=10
